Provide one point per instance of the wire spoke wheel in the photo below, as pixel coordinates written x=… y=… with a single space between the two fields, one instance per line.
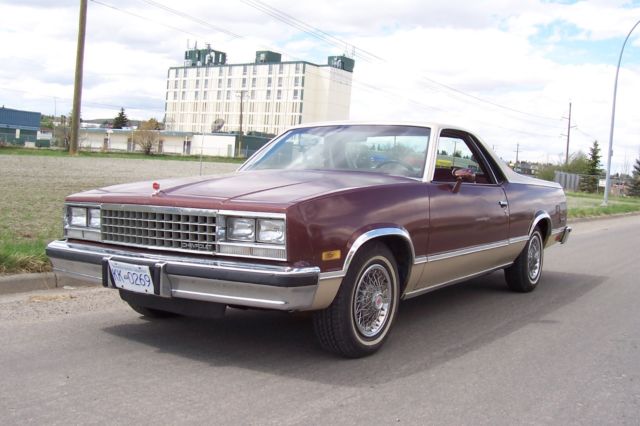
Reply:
x=372 y=300
x=534 y=258
x=358 y=321
x=525 y=272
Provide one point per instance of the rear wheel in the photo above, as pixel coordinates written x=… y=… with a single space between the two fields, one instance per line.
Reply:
x=524 y=275
x=358 y=321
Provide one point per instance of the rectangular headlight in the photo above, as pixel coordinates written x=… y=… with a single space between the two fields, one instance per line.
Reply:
x=94 y=218
x=270 y=231
x=77 y=216
x=241 y=229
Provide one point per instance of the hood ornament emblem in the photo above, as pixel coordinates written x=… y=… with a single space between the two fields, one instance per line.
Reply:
x=156 y=188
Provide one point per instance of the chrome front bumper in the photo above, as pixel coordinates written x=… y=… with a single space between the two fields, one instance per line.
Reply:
x=227 y=282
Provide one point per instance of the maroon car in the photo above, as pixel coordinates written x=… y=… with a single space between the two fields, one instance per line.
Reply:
x=341 y=219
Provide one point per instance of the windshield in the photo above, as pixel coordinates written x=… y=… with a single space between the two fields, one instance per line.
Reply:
x=397 y=150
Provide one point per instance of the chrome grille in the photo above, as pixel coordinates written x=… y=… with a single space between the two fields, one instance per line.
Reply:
x=166 y=228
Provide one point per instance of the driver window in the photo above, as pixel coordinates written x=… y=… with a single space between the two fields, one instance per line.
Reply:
x=455 y=153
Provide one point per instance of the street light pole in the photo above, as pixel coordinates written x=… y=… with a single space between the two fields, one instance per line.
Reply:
x=607 y=185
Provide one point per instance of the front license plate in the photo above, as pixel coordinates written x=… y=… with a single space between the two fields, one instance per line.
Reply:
x=130 y=277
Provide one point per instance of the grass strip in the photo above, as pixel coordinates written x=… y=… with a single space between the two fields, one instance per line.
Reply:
x=19 y=255
x=47 y=152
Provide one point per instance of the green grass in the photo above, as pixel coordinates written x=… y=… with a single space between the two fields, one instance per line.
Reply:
x=582 y=205
x=48 y=152
x=22 y=255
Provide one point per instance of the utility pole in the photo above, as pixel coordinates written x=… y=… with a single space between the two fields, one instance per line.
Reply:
x=566 y=157
x=77 y=89
x=517 y=152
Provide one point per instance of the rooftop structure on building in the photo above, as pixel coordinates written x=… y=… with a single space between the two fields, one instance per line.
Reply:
x=267 y=95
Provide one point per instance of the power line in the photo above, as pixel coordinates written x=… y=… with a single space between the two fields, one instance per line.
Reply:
x=144 y=17
x=309 y=29
x=320 y=34
x=356 y=82
x=191 y=18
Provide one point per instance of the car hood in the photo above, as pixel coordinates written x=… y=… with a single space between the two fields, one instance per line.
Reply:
x=268 y=187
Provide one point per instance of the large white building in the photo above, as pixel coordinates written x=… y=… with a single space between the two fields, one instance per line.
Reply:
x=266 y=96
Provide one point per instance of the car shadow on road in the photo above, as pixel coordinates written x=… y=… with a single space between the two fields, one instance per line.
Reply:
x=430 y=330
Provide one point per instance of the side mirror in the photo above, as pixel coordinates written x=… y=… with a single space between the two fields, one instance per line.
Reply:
x=462 y=175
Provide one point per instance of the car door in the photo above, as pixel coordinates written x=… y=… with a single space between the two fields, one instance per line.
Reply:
x=469 y=222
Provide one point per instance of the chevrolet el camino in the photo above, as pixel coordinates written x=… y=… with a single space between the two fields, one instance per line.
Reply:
x=342 y=219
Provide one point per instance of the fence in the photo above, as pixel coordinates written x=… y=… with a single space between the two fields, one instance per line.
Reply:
x=569 y=181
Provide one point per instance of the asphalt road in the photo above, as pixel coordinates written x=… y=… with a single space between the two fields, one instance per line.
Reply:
x=569 y=353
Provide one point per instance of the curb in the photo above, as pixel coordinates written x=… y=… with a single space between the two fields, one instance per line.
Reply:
x=21 y=283
x=602 y=217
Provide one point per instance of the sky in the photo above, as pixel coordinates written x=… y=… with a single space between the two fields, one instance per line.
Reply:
x=506 y=70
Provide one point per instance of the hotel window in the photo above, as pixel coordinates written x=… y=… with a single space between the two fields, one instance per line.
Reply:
x=184 y=84
x=195 y=96
x=279 y=95
x=175 y=84
x=279 y=81
x=228 y=95
x=297 y=68
x=270 y=69
x=206 y=84
x=204 y=96
x=280 y=68
x=197 y=84
x=254 y=70
x=295 y=93
x=220 y=71
x=184 y=95
x=268 y=94
x=219 y=95
x=228 y=82
x=253 y=82
x=244 y=82
x=197 y=72
x=244 y=70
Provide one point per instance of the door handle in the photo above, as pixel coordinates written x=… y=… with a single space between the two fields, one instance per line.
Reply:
x=503 y=204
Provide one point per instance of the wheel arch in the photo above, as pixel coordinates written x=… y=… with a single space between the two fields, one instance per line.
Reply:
x=543 y=220
x=398 y=240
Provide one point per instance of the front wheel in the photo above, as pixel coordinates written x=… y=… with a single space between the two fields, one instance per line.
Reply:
x=358 y=321
x=523 y=276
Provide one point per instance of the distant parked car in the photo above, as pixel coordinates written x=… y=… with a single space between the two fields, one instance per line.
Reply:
x=344 y=219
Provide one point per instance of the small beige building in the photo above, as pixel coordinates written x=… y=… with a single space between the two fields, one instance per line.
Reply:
x=170 y=142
